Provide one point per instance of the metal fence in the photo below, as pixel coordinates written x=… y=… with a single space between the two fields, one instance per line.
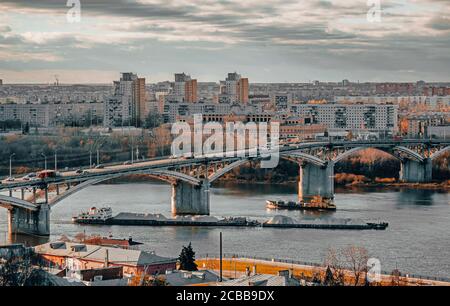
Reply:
x=313 y=264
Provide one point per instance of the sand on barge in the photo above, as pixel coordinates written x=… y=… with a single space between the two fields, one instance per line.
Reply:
x=136 y=219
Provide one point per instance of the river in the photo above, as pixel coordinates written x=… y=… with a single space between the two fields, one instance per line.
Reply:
x=417 y=240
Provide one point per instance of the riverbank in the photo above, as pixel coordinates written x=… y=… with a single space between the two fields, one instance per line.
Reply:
x=234 y=267
x=385 y=183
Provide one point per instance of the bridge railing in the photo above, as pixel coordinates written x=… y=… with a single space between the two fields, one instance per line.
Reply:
x=312 y=264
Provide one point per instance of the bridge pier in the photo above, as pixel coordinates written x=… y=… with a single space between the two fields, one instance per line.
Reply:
x=188 y=199
x=316 y=180
x=413 y=171
x=24 y=221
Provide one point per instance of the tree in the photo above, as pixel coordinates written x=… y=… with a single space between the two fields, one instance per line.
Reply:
x=15 y=270
x=329 y=278
x=153 y=120
x=187 y=259
x=335 y=274
x=26 y=129
x=355 y=259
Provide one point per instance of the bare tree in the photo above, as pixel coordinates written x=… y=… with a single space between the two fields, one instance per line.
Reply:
x=335 y=275
x=355 y=260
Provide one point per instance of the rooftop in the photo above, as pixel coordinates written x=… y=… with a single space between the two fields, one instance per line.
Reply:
x=98 y=253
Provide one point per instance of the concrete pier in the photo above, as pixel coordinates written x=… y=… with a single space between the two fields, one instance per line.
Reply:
x=412 y=171
x=188 y=199
x=24 y=221
x=316 y=180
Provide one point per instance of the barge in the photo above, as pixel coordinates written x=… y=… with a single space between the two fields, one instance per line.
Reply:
x=133 y=219
x=316 y=203
x=367 y=226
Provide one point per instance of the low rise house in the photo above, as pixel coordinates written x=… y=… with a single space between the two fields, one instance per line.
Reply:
x=190 y=278
x=79 y=256
x=282 y=279
x=111 y=276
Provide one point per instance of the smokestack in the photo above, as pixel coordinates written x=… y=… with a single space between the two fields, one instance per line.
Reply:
x=106 y=258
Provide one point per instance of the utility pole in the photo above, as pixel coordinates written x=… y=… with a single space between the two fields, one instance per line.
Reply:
x=10 y=164
x=98 y=157
x=56 y=161
x=90 y=159
x=220 y=279
x=45 y=160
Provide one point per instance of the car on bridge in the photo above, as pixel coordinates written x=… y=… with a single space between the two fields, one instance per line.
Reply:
x=48 y=174
x=30 y=176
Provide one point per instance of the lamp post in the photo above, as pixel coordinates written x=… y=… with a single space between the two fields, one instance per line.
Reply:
x=56 y=160
x=90 y=159
x=10 y=164
x=45 y=160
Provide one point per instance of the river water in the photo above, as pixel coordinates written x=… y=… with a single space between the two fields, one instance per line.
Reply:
x=417 y=240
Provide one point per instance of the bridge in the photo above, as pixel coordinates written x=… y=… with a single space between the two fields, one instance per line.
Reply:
x=29 y=202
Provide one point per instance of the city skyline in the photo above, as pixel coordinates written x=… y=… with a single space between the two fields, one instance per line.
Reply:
x=267 y=41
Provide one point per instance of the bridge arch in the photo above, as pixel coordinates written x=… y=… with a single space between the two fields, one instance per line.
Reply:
x=163 y=175
x=304 y=156
x=227 y=169
x=6 y=201
x=411 y=154
x=437 y=154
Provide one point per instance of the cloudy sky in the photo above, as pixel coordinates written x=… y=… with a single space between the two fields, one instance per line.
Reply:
x=265 y=40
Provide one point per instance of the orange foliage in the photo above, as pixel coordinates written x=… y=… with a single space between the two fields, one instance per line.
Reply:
x=348 y=178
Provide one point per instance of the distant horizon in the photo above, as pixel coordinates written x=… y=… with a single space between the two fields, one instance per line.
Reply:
x=217 y=82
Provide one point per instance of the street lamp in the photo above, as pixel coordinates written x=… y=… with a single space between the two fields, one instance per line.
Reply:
x=10 y=164
x=56 y=160
x=45 y=160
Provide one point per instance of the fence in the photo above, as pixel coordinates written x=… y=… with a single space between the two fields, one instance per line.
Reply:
x=313 y=264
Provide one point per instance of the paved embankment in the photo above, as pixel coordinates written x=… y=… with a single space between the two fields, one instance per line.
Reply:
x=235 y=267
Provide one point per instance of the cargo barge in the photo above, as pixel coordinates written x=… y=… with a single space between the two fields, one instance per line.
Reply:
x=132 y=219
x=317 y=203
x=367 y=226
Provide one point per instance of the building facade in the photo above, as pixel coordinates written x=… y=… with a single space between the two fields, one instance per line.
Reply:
x=354 y=117
x=127 y=105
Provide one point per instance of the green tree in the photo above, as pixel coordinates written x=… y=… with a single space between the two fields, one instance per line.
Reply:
x=187 y=259
x=153 y=120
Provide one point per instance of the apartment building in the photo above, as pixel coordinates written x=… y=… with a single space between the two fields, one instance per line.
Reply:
x=127 y=105
x=352 y=117
x=234 y=89
x=45 y=115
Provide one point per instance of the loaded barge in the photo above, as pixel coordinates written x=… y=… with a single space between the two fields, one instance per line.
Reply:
x=316 y=203
x=103 y=216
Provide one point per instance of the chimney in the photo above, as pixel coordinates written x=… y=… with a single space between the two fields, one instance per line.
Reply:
x=106 y=258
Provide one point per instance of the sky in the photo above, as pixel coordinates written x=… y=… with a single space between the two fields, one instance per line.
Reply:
x=264 y=40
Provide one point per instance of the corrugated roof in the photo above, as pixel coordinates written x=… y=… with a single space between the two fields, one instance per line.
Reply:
x=261 y=280
x=98 y=253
